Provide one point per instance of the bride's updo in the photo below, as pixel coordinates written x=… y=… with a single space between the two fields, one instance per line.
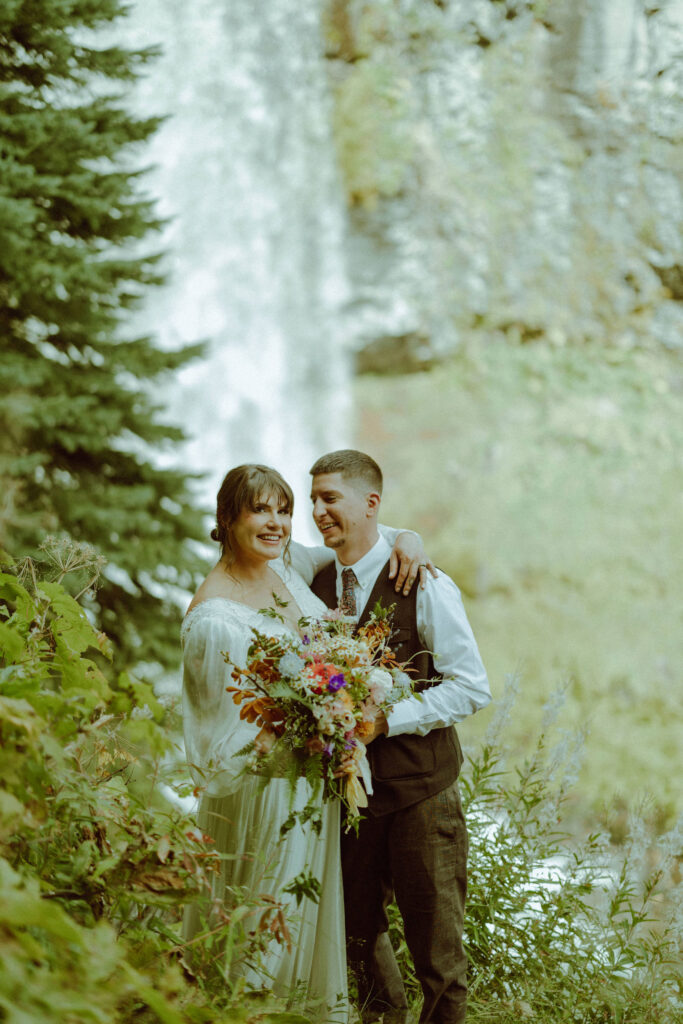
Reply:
x=243 y=487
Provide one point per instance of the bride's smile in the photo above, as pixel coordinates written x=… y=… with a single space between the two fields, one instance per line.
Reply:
x=262 y=531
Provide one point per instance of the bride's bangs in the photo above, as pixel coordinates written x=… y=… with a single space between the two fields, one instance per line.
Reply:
x=264 y=483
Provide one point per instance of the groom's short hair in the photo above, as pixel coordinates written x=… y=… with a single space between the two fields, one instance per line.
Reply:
x=352 y=465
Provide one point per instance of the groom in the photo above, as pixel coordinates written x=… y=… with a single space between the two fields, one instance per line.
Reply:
x=413 y=840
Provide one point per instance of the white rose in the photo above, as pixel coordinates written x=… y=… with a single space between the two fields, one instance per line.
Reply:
x=380 y=684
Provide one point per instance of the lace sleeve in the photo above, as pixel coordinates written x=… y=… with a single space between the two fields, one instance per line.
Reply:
x=212 y=728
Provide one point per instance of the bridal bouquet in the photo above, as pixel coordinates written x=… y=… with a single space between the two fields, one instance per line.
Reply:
x=321 y=694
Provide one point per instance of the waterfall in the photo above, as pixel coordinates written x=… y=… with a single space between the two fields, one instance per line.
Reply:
x=608 y=46
x=244 y=170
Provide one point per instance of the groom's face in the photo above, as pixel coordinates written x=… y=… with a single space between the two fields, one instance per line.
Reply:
x=340 y=509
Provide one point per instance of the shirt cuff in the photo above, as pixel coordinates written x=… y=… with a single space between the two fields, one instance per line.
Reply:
x=403 y=718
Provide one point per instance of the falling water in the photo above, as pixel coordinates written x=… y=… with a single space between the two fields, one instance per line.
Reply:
x=244 y=170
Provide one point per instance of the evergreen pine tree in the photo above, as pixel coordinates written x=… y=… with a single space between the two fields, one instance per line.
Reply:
x=76 y=420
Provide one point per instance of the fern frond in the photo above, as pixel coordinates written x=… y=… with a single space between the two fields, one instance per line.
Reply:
x=313 y=772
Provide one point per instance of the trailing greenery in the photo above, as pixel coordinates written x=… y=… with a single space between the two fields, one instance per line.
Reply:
x=79 y=415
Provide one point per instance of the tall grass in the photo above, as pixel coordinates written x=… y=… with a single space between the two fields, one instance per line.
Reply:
x=560 y=929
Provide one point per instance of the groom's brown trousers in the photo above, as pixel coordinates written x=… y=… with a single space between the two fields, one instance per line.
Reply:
x=420 y=854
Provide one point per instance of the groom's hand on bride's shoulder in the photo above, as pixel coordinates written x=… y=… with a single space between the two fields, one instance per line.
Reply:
x=408 y=560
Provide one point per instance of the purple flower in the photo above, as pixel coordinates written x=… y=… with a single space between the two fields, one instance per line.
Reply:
x=336 y=682
x=328 y=750
x=305 y=639
x=349 y=745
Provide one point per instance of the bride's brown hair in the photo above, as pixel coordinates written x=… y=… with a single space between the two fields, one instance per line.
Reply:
x=243 y=487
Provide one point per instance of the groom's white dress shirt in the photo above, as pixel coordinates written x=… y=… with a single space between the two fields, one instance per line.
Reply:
x=445 y=632
x=308 y=559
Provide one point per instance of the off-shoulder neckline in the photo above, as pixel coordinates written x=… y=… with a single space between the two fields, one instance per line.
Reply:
x=276 y=564
x=224 y=600
x=254 y=612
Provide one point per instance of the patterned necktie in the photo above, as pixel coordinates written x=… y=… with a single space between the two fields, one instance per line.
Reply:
x=347 y=604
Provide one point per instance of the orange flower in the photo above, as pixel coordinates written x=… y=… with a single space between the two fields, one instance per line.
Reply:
x=262 y=711
x=265 y=669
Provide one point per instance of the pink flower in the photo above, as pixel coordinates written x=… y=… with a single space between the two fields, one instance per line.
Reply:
x=369 y=711
x=342 y=714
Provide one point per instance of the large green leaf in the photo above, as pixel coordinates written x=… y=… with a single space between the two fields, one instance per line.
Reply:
x=283 y=689
x=12 y=590
x=22 y=907
x=72 y=625
x=12 y=644
x=20 y=715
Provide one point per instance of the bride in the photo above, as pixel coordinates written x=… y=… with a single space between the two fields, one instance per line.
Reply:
x=256 y=571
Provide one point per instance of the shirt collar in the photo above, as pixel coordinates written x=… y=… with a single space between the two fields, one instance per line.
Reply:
x=368 y=567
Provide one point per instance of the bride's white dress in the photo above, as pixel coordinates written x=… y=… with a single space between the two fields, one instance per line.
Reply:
x=244 y=819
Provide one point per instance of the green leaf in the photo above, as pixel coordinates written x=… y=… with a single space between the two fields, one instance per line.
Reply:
x=81 y=677
x=12 y=644
x=71 y=626
x=22 y=907
x=304 y=886
x=155 y=1000
x=144 y=733
x=313 y=771
x=280 y=688
x=12 y=590
x=10 y=809
x=143 y=695
x=21 y=715
x=285 y=1017
x=381 y=613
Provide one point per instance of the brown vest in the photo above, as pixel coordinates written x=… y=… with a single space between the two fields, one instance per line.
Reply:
x=406 y=768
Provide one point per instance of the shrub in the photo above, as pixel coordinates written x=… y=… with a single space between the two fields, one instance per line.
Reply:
x=559 y=929
x=95 y=864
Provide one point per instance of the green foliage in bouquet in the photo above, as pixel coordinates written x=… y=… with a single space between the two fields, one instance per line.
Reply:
x=95 y=863
x=559 y=930
x=78 y=410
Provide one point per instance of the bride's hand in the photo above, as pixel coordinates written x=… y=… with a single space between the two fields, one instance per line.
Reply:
x=408 y=558
x=265 y=740
x=380 y=728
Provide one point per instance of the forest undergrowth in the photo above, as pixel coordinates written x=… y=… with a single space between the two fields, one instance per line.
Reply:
x=96 y=863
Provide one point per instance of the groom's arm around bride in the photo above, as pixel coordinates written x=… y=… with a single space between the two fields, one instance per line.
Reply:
x=413 y=840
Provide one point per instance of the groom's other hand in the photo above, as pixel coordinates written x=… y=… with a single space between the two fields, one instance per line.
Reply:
x=408 y=560
x=380 y=729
